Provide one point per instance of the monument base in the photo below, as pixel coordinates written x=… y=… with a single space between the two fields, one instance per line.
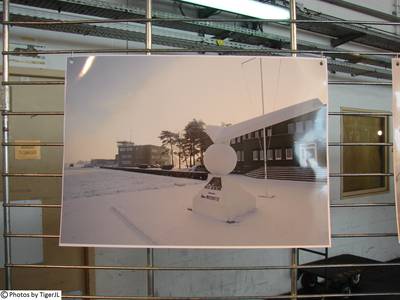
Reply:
x=223 y=198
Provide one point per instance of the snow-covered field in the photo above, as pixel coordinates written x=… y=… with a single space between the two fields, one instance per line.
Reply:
x=127 y=209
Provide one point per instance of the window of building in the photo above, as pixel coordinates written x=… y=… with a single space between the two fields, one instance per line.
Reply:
x=278 y=154
x=290 y=128
x=240 y=155
x=238 y=139
x=289 y=153
x=359 y=159
x=255 y=155
x=244 y=137
x=269 y=132
x=299 y=127
x=309 y=125
x=233 y=141
x=270 y=154
x=261 y=155
x=257 y=134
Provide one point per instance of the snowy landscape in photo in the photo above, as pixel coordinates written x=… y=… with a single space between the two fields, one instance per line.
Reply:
x=131 y=209
x=195 y=152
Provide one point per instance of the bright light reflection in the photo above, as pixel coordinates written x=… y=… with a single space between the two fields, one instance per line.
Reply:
x=86 y=67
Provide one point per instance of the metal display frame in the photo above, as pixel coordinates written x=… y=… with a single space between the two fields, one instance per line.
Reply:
x=150 y=268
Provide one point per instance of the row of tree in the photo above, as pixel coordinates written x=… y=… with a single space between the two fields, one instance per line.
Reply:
x=188 y=146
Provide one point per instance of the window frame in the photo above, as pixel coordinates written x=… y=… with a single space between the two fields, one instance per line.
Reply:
x=299 y=127
x=276 y=156
x=291 y=128
x=272 y=157
x=261 y=154
x=286 y=152
x=256 y=155
x=238 y=155
x=364 y=192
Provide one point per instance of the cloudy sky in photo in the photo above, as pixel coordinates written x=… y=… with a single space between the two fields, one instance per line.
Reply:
x=113 y=98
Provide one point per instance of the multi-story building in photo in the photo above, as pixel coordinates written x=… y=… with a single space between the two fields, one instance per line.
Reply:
x=295 y=143
x=131 y=155
x=125 y=154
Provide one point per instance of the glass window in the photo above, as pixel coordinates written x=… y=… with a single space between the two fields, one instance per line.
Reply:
x=238 y=139
x=359 y=159
x=255 y=154
x=233 y=141
x=269 y=132
x=299 y=127
x=270 y=154
x=290 y=128
x=257 y=134
x=261 y=155
x=238 y=155
x=289 y=153
x=278 y=154
x=309 y=125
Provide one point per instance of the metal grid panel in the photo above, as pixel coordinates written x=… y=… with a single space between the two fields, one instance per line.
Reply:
x=239 y=37
x=150 y=268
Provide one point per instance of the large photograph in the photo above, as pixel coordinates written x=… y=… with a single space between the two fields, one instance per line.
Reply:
x=195 y=152
x=396 y=135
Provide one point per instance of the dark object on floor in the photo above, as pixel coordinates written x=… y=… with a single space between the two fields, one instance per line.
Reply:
x=343 y=280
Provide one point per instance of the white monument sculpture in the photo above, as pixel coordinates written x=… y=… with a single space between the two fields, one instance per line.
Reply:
x=223 y=197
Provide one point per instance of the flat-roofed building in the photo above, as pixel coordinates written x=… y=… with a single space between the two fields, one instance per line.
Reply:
x=295 y=143
x=131 y=155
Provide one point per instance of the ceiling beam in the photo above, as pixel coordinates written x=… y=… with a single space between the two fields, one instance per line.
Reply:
x=345 y=39
x=363 y=9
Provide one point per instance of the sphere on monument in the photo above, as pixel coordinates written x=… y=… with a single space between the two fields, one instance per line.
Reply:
x=220 y=159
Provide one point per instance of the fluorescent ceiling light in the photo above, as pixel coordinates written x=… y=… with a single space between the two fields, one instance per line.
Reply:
x=249 y=8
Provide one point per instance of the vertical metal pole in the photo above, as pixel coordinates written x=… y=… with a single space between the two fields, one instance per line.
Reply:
x=148 y=26
x=267 y=194
x=293 y=47
x=150 y=251
x=150 y=273
x=264 y=134
x=293 y=273
x=6 y=183
x=293 y=27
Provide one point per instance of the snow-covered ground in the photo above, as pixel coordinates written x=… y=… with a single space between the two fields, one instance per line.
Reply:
x=127 y=209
